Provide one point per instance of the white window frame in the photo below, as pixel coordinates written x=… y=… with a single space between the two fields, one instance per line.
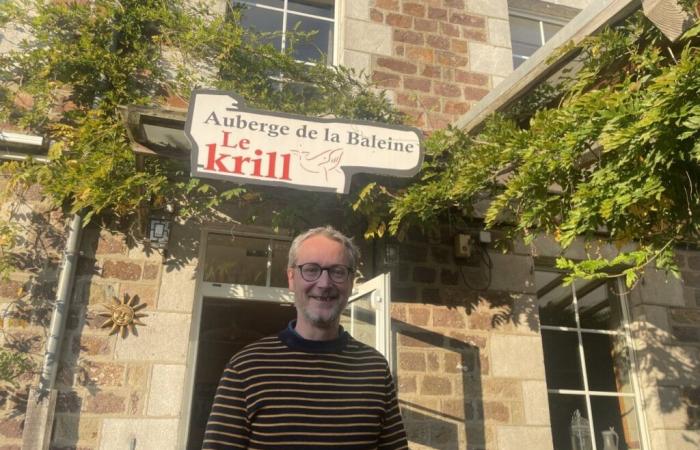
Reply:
x=379 y=290
x=338 y=5
x=541 y=20
x=586 y=393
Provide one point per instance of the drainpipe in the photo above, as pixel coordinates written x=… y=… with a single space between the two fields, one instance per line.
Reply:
x=41 y=403
x=60 y=312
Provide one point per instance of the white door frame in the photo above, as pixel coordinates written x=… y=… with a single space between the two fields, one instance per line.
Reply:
x=379 y=288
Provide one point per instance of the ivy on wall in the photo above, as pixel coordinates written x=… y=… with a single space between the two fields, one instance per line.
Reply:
x=612 y=152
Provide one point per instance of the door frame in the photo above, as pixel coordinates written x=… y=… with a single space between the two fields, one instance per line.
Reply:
x=204 y=289
x=378 y=287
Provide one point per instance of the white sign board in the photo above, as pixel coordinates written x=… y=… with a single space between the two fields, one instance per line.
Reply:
x=236 y=143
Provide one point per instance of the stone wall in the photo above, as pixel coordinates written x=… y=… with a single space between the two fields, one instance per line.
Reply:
x=462 y=378
x=436 y=57
x=114 y=389
x=110 y=389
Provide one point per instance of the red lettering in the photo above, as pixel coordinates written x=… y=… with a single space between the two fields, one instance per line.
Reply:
x=256 y=164
x=225 y=143
x=213 y=161
x=239 y=160
x=271 y=160
x=285 y=167
x=242 y=144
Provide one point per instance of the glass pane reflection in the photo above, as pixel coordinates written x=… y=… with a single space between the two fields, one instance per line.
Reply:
x=569 y=433
x=596 y=310
x=314 y=47
x=550 y=30
x=264 y=21
x=525 y=31
x=244 y=260
x=615 y=416
x=323 y=8
x=562 y=363
x=607 y=363
x=363 y=328
x=555 y=300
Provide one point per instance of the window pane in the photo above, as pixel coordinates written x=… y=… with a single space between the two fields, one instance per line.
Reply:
x=314 y=47
x=550 y=29
x=562 y=362
x=363 y=328
x=521 y=49
x=323 y=8
x=280 y=252
x=526 y=31
x=555 y=301
x=615 y=416
x=607 y=363
x=264 y=21
x=596 y=310
x=273 y=3
x=517 y=60
x=243 y=260
x=569 y=431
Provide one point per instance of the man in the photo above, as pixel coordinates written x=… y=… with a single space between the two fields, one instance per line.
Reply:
x=312 y=386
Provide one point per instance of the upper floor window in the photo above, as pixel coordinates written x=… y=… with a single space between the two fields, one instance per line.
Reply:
x=528 y=33
x=285 y=16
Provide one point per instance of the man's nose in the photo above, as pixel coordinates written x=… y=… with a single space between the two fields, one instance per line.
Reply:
x=325 y=279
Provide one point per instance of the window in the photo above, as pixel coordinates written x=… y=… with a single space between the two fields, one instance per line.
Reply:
x=528 y=33
x=285 y=16
x=247 y=260
x=593 y=394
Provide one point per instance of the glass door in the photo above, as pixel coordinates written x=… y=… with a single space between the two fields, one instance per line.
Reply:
x=368 y=314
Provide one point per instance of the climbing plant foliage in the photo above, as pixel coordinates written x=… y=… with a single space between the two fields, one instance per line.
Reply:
x=72 y=66
x=76 y=63
x=613 y=155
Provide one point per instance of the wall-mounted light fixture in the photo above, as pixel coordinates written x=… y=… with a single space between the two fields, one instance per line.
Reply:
x=158 y=232
x=391 y=254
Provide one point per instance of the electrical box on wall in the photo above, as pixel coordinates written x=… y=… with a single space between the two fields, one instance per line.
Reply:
x=463 y=246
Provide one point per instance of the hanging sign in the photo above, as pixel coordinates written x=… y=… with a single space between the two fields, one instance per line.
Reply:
x=233 y=142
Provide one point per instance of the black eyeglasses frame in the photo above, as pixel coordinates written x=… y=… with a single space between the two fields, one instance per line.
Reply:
x=328 y=269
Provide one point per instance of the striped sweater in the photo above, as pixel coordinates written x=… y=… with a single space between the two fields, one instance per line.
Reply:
x=286 y=392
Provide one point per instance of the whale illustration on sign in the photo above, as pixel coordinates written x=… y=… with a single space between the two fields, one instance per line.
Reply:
x=233 y=142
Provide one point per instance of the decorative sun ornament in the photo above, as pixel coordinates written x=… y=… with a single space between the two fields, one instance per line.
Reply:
x=123 y=315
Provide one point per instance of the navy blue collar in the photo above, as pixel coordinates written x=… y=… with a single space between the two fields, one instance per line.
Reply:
x=295 y=341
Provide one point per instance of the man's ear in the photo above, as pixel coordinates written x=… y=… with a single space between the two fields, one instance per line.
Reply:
x=290 y=277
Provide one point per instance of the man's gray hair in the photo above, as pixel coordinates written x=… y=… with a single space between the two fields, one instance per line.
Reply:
x=328 y=231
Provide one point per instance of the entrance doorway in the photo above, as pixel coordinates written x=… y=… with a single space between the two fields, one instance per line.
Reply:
x=226 y=327
x=242 y=297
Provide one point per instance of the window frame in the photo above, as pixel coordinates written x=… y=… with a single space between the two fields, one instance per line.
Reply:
x=541 y=20
x=623 y=331
x=334 y=21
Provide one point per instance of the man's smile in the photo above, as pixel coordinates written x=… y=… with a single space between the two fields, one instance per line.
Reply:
x=324 y=298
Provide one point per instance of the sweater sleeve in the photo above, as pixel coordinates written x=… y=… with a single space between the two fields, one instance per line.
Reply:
x=228 y=427
x=393 y=435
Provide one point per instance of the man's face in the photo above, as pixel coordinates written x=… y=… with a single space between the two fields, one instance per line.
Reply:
x=319 y=303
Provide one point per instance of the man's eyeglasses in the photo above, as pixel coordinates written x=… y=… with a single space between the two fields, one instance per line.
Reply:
x=312 y=272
